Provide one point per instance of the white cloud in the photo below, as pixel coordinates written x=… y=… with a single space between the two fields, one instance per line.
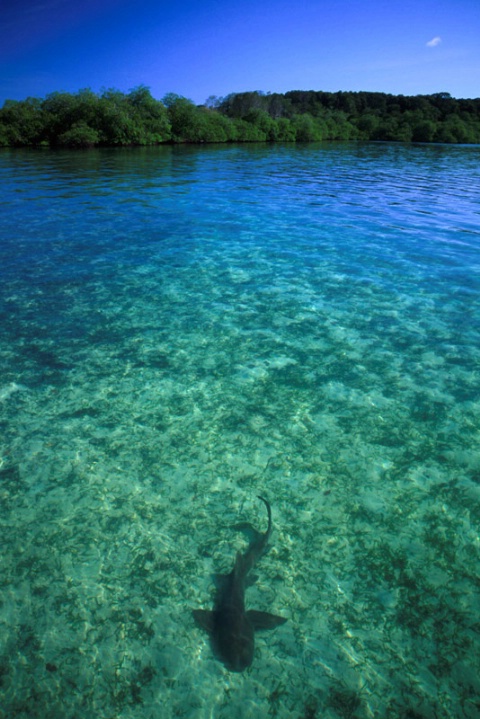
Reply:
x=434 y=42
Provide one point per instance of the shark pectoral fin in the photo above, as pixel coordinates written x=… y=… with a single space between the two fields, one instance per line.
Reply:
x=203 y=619
x=264 y=620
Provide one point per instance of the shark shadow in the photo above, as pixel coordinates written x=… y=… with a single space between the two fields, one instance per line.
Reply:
x=230 y=626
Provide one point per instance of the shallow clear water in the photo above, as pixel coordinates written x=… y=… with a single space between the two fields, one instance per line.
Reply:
x=183 y=329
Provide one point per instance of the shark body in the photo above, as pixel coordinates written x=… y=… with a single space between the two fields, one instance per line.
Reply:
x=231 y=627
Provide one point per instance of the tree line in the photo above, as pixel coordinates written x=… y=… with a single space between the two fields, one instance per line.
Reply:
x=114 y=118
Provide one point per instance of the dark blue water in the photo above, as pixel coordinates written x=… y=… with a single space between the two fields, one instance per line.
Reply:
x=185 y=328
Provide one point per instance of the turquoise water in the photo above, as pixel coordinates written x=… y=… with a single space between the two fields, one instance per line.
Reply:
x=183 y=329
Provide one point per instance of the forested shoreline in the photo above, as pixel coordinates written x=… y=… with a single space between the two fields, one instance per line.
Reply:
x=113 y=118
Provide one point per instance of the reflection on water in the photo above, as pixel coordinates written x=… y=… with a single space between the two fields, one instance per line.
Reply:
x=185 y=328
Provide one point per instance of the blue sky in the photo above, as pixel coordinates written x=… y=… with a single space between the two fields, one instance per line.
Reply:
x=214 y=47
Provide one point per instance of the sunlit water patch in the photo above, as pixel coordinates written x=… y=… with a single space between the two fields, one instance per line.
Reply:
x=183 y=329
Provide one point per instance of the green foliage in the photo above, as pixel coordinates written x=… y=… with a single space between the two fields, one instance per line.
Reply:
x=190 y=123
x=113 y=118
x=22 y=123
x=286 y=131
x=265 y=125
x=306 y=128
x=114 y=122
x=79 y=135
x=187 y=122
x=368 y=126
x=149 y=119
x=219 y=128
x=63 y=110
x=316 y=115
x=246 y=132
x=86 y=119
x=423 y=130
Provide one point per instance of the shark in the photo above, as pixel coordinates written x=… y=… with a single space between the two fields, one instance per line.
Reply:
x=230 y=626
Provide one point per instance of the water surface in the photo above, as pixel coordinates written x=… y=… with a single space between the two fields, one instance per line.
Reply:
x=183 y=329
